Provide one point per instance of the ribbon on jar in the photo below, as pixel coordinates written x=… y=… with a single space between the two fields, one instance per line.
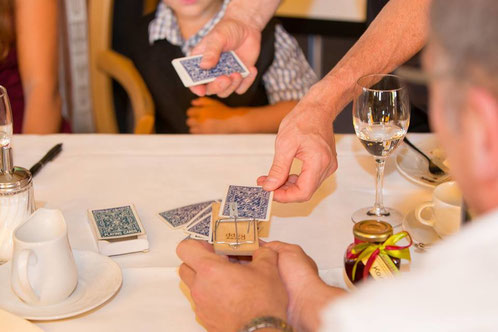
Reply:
x=370 y=251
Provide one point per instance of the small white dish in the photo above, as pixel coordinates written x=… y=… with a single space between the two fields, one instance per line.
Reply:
x=423 y=236
x=11 y=322
x=416 y=168
x=99 y=278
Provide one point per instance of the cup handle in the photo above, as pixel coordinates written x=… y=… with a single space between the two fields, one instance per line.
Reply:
x=22 y=272
x=420 y=210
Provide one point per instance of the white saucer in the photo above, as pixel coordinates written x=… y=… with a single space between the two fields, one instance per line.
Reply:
x=99 y=278
x=415 y=167
x=422 y=235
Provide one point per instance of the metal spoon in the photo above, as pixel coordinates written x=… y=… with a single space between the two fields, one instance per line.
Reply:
x=433 y=168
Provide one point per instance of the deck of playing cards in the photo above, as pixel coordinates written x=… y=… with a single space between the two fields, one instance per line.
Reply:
x=201 y=220
x=118 y=230
x=192 y=74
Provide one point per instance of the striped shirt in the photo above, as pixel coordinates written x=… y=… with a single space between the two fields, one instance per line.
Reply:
x=288 y=78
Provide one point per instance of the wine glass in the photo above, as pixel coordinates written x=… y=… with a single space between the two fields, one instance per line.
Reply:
x=5 y=118
x=381 y=115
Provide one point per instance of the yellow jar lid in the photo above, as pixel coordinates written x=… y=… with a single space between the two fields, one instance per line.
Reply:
x=372 y=231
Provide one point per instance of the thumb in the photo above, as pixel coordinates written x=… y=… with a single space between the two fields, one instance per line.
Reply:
x=264 y=256
x=210 y=47
x=280 y=168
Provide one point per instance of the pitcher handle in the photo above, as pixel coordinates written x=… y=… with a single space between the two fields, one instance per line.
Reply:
x=29 y=294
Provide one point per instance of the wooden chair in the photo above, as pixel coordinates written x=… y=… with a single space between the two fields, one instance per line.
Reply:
x=106 y=64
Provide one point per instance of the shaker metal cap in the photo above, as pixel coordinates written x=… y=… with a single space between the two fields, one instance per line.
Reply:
x=18 y=179
x=372 y=231
x=12 y=179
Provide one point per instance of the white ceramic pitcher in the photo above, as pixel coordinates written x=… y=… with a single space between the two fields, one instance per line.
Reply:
x=43 y=270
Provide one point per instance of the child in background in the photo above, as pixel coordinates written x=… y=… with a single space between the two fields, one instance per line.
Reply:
x=284 y=75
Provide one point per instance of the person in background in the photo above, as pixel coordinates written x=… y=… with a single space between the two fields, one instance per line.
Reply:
x=29 y=65
x=283 y=76
x=453 y=287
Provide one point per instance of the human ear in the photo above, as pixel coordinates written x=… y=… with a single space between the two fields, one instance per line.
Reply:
x=480 y=131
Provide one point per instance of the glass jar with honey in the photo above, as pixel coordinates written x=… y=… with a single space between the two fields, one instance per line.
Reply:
x=374 y=252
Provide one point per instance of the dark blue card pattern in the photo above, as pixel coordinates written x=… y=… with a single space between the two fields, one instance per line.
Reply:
x=180 y=216
x=118 y=221
x=202 y=227
x=227 y=65
x=252 y=202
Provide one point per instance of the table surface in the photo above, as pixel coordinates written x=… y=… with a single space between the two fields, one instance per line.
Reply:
x=161 y=172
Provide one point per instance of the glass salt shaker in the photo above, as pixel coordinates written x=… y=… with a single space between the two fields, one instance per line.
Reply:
x=16 y=185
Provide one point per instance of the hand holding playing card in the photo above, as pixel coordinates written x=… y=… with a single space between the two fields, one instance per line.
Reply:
x=228 y=295
x=210 y=116
x=229 y=34
x=306 y=133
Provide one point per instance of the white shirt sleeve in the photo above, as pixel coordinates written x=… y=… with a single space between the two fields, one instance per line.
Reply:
x=289 y=76
x=454 y=289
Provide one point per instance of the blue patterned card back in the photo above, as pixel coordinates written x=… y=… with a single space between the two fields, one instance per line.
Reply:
x=252 y=202
x=227 y=65
x=117 y=222
x=181 y=216
x=201 y=227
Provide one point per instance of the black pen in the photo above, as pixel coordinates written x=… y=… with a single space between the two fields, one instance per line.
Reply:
x=51 y=154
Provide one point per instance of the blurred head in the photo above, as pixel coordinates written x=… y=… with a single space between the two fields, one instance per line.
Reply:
x=194 y=8
x=462 y=61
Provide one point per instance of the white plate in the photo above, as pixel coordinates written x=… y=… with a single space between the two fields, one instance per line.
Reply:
x=416 y=168
x=11 y=322
x=99 y=278
x=419 y=232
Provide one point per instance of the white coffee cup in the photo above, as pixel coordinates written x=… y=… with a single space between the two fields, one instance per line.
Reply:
x=43 y=270
x=446 y=206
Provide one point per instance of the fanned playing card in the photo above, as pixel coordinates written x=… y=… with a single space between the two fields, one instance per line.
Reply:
x=116 y=222
x=182 y=216
x=200 y=229
x=252 y=202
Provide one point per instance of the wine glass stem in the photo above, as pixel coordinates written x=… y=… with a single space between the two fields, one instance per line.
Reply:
x=378 y=208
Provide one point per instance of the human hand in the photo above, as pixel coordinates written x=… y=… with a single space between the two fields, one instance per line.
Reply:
x=306 y=133
x=228 y=295
x=210 y=116
x=233 y=34
x=308 y=294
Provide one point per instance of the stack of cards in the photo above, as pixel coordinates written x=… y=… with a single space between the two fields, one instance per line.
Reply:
x=194 y=219
x=118 y=230
x=197 y=220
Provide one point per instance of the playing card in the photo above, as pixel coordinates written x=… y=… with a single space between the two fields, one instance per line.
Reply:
x=252 y=202
x=201 y=227
x=182 y=216
x=192 y=74
x=116 y=222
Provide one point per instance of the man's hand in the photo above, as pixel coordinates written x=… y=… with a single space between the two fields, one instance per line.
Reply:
x=306 y=133
x=308 y=294
x=240 y=31
x=228 y=295
x=229 y=34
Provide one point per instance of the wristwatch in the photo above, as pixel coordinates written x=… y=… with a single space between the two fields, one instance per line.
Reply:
x=266 y=322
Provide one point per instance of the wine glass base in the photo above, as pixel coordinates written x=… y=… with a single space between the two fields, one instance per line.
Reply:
x=391 y=216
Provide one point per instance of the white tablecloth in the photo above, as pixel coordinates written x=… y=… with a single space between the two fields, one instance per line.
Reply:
x=160 y=172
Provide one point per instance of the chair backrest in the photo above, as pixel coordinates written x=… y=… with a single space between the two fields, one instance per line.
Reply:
x=105 y=64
